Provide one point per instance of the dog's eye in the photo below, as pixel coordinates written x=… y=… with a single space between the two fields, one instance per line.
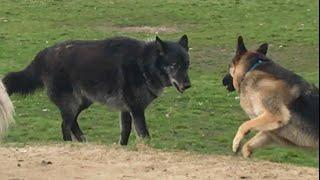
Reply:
x=173 y=65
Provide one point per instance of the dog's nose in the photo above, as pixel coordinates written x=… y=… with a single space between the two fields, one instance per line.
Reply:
x=227 y=80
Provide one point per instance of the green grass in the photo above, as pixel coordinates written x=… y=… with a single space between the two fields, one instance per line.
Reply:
x=206 y=117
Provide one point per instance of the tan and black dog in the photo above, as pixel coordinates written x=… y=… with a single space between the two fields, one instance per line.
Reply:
x=282 y=106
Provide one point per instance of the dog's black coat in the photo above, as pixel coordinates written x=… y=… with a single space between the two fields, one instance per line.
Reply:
x=123 y=73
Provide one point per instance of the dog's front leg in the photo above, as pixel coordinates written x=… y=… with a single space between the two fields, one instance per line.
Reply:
x=242 y=131
x=267 y=121
x=140 y=123
x=261 y=139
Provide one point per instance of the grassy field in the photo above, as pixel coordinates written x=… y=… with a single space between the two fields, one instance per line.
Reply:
x=206 y=117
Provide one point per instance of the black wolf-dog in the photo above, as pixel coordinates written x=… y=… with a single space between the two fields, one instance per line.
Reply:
x=123 y=73
x=282 y=106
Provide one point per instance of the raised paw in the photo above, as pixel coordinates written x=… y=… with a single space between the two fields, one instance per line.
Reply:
x=246 y=151
x=236 y=144
x=236 y=141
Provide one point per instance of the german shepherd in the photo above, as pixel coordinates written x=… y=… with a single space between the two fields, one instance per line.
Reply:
x=123 y=73
x=6 y=110
x=282 y=106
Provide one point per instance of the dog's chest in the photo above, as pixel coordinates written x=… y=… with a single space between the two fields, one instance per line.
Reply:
x=251 y=104
x=144 y=96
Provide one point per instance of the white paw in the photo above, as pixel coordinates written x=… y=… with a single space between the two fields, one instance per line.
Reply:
x=235 y=145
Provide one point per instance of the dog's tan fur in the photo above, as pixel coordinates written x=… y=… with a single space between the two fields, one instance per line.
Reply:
x=265 y=98
x=6 y=110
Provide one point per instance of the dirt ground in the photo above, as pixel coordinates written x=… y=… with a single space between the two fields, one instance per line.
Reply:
x=101 y=162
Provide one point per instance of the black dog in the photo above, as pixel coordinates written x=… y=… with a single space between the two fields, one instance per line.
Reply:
x=123 y=73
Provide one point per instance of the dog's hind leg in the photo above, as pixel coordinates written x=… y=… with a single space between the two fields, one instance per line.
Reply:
x=126 y=126
x=259 y=140
x=68 y=105
x=68 y=117
x=77 y=132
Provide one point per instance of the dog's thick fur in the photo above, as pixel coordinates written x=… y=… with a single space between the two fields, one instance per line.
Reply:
x=6 y=110
x=120 y=72
x=282 y=106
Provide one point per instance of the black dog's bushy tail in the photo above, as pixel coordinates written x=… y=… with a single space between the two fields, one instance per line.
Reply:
x=24 y=82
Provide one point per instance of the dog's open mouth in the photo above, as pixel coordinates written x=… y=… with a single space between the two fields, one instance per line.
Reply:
x=178 y=87
x=230 y=88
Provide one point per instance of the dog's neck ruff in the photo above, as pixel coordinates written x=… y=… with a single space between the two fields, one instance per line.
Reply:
x=149 y=86
x=253 y=67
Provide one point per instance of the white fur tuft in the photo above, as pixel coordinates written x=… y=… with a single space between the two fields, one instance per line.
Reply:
x=6 y=110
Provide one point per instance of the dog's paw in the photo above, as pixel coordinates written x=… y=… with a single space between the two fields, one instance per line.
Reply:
x=83 y=139
x=236 y=144
x=246 y=151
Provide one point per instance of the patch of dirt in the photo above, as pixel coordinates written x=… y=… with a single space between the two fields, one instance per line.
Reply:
x=148 y=29
x=137 y=29
x=101 y=162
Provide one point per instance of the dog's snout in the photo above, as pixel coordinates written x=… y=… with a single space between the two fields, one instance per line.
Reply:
x=227 y=80
x=186 y=85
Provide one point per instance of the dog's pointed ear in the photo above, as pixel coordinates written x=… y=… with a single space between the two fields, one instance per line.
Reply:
x=263 y=49
x=241 y=48
x=161 y=46
x=184 y=42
